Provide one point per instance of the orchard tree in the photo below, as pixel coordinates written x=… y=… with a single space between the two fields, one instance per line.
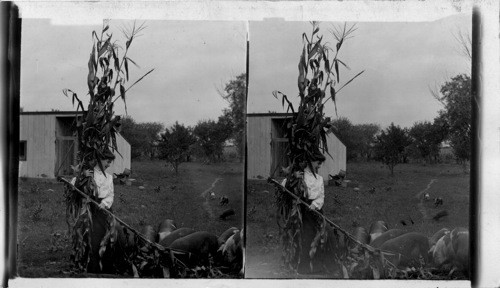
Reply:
x=390 y=146
x=343 y=129
x=142 y=137
x=426 y=139
x=235 y=93
x=129 y=130
x=456 y=97
x=175 y=145
x=151 y=132
x=363 y=138
x=358 y=139
x=211 y=136
x=204 y=133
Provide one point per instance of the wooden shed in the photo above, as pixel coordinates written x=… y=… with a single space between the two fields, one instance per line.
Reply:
x=47 y=145
x=266 y=147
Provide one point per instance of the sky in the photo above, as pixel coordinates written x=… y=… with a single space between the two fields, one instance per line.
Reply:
x=401 y=62
x=192 y=60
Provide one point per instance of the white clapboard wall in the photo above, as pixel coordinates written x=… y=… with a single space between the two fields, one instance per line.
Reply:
x=49 y=146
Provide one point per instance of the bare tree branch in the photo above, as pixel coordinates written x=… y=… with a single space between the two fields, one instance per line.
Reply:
x=435 y=93
x=464 y=40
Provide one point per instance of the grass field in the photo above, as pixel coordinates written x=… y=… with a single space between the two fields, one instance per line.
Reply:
x=395 y=199
x=43 y=242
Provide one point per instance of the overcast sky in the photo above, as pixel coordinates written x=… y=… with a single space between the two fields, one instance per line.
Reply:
x=191 y=60
x=194 y=58
x=401 y=61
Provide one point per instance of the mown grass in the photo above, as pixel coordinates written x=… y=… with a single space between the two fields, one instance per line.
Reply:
x=394 y=200
x=44 y=245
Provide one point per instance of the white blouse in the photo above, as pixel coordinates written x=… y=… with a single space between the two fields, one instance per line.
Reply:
x=105 y=189
x=315 y=189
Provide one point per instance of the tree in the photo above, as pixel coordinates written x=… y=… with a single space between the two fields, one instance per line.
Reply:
x=212 y=135
x=175 y=145
x=456 y=98
x=426 y=140
x=343 y=129
x=390 y=146
x=151 y=132
x=235 y=93
x=129 y=130
x=142 y=137
x=358 y=139
x=363 y=137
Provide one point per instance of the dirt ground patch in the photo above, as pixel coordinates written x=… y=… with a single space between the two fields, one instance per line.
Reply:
x=43 y=242
x=394 y=199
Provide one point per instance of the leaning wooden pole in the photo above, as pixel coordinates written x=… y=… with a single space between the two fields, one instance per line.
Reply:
x=156 y=245
x=366 y=246
x=272 y=181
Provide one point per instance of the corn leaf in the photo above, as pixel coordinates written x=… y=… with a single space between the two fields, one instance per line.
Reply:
x=94 y=34
x=332 y=94
x=302 y=63
x=115 y=60
x=376 y=273
x=315 y=31
x=136 y=273
x=339 y=44
x=327 y=66
x=65 y=92
x=104 y=48
x=129 y=41
x=110 y=75
x=337 y=69
x=133 y=62
x=304 y=36
x=137 y=81
x=91 y=75
x=126 y=67
x=315 y=49
x=93 y=58
x=350 y=80
x=166 y=272
x=345 y=65
x=122 y=92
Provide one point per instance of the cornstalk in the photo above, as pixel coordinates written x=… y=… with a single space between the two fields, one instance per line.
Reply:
x=96 y=132
x=307 y=132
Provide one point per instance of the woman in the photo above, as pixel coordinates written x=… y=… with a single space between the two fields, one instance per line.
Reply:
x=314 y=196
x=104 y=196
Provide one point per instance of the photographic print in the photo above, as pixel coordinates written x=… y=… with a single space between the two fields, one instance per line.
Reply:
x=131 y=149
x=359 y=148
x=355 y=155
